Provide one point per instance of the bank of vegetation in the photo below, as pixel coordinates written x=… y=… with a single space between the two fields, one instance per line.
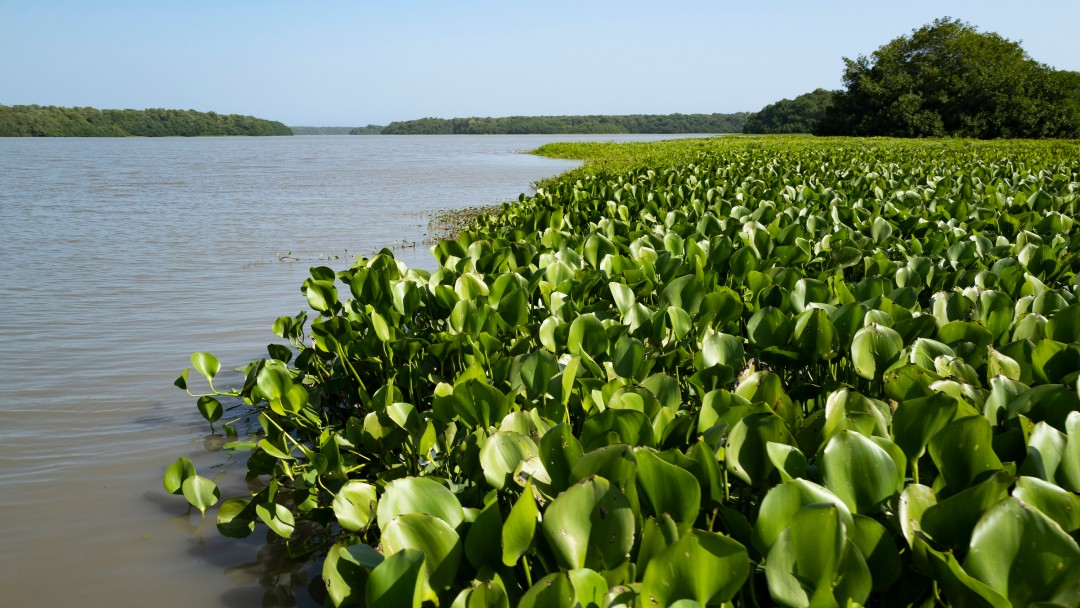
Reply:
x=322 y=130
x=52 y=121
x=765 y=371
x=522 y=125
x=945 y=79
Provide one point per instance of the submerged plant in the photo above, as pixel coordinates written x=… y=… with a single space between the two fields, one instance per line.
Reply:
x=756 y=371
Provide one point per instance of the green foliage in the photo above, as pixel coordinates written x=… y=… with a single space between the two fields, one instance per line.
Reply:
x=947 y=78
x=520 y=125
x=799 y=115
x=764 y=371
x=51 y=121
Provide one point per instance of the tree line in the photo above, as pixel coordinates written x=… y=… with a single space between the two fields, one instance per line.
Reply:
x=52 y=121
x=946 y=79
x=523 y=125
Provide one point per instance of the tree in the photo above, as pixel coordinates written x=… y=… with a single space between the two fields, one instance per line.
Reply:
x=947 y=78
x=799 y=115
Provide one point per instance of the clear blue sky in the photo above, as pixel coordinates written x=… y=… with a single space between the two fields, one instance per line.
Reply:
x=329 y=62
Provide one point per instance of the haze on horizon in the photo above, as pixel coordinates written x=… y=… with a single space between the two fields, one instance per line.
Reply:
x=335 y=63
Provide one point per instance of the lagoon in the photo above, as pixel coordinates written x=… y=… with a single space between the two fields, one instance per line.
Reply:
x=120 y=257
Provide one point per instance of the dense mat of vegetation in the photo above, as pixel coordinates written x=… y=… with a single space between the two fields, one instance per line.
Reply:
x=776 y=371
x=51 y=121
x=799 y=115
x=521 y=125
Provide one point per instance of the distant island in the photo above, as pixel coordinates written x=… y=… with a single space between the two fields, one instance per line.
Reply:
x=52 y=121
x=558 y=125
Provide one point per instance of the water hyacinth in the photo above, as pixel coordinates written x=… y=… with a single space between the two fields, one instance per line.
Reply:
x=803 y=372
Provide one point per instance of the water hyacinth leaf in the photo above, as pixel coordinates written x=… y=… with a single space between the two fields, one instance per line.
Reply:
x=236 y=518
x=322 y=296
x=960 y=588
x=962 y=450
x=210 y=408
x=1023 y=555
x=815 y=337
x=345 y=571
x=354 y=505
x=860 y=472
x=206 y=364
x=1052 y=500
x=590 y=525
x=501 y=454
x=589 y=587
x=178 y=472
x=555 y=589
x=702 y=566
x=787 y=459
x=950 y=521
x=200 y=492
x=623 y=296
x=615 y=426
x=768 y=327
x=916 y=421
x=488 y=594
x=418 y=495
x=876 y=545
x=587 y=337
x=746 y=454
x=629 y=357
x=537 y=370
x=559 y=452
x=520 y=527
x=277 y=517
x=669 y=489
x=783 y=502
x=397 y=582
x=479 y=549
x=873 y=349
x=813 y=563
x=1064 y=325
x=722 y=349
x=1069 y=473
x=913 y=503
x=439 y=543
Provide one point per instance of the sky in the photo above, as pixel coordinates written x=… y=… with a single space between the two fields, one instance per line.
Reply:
x=335 y=63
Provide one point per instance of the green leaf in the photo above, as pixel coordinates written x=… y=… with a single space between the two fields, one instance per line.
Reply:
x=860 y=472
x=206 y=364
x=950 y=521
x=1053 y=501
x=354 y=505
x=877 y=547
x=587 y=337
x=559 y=452
x=746 y=455
x=177 y=473
x=962 y=450
x=419 y=495
x=783 y=502
x=398 y=582
x=1023 y=555
x=501 y=454
x=873 y=349
x=345 y=571
x=916 y=421
x=590 y=525
x=537 y=370
x=433 y=537
x=236 y=518
x=553 y=590
x=277 y=517
x=200 y=492
x=520 y=527
x=705 y=567
x=668 y=488
x=813 y=563
x=210 y=408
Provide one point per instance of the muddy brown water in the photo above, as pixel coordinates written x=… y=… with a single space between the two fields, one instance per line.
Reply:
x=120 y=257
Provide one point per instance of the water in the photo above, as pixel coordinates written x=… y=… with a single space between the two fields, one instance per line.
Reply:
x=120 y=257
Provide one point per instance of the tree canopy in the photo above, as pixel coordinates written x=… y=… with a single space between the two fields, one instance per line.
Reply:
x=51 y=121
x=799 y=115
x=947 y=78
